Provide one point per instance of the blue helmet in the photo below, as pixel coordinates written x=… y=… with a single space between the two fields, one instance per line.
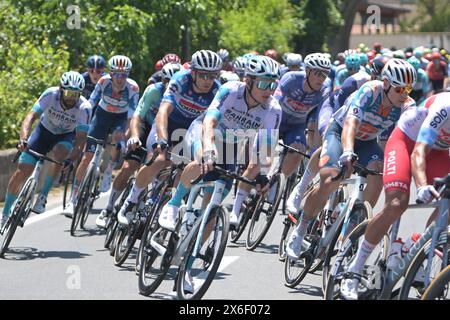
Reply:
x=96 y=62
x=364 y=59
x=353 y=62
x=414 y=62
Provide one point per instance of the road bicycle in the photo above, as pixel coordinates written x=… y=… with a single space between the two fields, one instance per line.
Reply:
x=23 y=204
x=439 y=287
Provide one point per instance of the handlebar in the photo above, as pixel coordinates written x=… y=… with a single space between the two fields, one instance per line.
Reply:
x=37 y=155
x=358 y=169
x=290 y=149
x=228 y=174
x=442 y=185
x=102 y=142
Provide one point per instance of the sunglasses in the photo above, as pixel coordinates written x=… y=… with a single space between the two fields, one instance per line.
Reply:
x=97 y=71
x=71 y=93
x=401 y=90
x=119 y=74
x=320 y=74
x=208 y=75
x=265 y=84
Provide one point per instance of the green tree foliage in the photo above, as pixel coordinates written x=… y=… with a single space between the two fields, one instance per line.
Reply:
x=258 y=25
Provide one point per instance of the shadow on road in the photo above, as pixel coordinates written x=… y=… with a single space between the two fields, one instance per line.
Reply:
x=88 y=232
x=308 y=289
x=27 y=253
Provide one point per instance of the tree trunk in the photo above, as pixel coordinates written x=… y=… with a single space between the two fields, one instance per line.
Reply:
x=340 y=42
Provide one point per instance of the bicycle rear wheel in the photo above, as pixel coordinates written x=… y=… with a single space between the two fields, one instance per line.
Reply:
x=264 y=214
x=153 y=266
x=203 y=266
x=92 y=198
x=246 y=216
x=439 y=288
x=125 y=240
x=20 y=210
x=69 y=177
x=83 y=200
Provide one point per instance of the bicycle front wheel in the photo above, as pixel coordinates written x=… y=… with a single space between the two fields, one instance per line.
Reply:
x=264 y=214
x=20 y=210
x=83 y=200
x=439 y=288
x=197 y=271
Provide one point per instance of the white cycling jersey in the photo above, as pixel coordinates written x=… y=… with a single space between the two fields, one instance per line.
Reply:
x=57 y=120
x=430 y=122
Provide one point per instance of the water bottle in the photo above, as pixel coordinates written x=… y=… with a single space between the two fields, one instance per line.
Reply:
x=409 y=243
x=395 y=255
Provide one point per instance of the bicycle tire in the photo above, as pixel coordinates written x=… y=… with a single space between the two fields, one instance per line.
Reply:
x=252 y=243
x=247 y=214
x=68 y=183
x=85 y=213
x=23 y=202
x=288 y=225
x=130 y=234
x=331 y=250
x=349 y=246
x=149 y=255
x=221 y=214
x=83 y=198
x=439 y=285
x=417 y=261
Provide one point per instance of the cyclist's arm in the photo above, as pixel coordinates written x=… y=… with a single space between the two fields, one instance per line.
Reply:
x=134 y=126
x=80 y=140
x=209 y=125
x=418 y=163
x=96 y=94
x=162 y=120
x=27 y=123
x=349 y=133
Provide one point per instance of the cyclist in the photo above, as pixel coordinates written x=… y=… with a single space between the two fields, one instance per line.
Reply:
x=239 y=67
x=140 y=127
x=117 y=97
x=225 y=56
x=239 y=110
x=422 y=88
x=419 y=146
x=293 y=63
x=437 y=72
x=189 y=94
x=156 y=76
x=329 y=106
x=226 y=76
x=351 y=134
x=63 y=116
x=300 y=93
x=352 y=65
x=95 y=70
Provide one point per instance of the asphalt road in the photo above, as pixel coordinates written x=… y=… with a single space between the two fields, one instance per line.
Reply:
x=45 y=262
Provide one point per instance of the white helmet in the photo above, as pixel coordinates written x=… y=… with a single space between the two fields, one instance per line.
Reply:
x=206 y=60
x=72 y=80
x=318 y=61
x=293 y=59
x=120 y=64
x=239 y=64
x=223 y=54
x=169 y=70
x=227 y=76
x=400 y=73
x=262 y=66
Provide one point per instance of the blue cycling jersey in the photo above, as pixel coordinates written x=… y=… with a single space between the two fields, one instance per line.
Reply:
x=89 y=86
x=125 y=101
x=350 y=85
x=187 y=104
x=365 y=105
x=296 y=103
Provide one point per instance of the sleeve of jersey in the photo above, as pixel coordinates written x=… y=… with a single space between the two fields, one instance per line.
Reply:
x=281 y=89
x=429 y=130
x=133 y=102
x=41 y=104
x=96 y=95
x=84 y=117
x=217 y=103
x=146 y=102
x=360 y=103
x=348 y=87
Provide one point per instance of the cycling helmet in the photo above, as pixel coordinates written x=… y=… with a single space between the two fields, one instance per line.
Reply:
x=293 y=59
x=418 y=52
x=206 y=60
x=262 y=66
x=169 y=70
x=72 y=80
x=399 y=73
x=120 y=64
x=223 y=54
x=363 y=58
x=414 y=62
x=399 y=54
x=271 y=53
x=353 y=61
x=378 y=64
x=158 y=65
x=171 y=57
x=435 y=55
x=228 y=76
x=96 y=62
x=318 y=61
x=239 y=64
x=249 y=56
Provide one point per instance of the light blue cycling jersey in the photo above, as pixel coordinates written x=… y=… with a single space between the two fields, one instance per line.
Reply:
x=149 y=103
x=295 y=102
x=342 y=74
x=365 y=105
x=430 y=122
x=187 y=104
x=126 y=101
x=422 y=82
x=57 y=120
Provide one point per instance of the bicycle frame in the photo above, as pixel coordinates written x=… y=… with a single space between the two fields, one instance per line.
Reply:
x=437 y=231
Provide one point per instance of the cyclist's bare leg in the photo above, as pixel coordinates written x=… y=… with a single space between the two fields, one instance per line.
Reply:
x=18 y=178
x=147 y=173
x=292 y=160
x=127 y=170
x=374 y=184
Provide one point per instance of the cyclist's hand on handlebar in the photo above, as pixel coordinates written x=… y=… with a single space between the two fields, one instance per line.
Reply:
x=22 y=145
x=67 y=165
x=347 y=159
x=262 y=183
x=427 y=193
x=133 y=143
x=160 y=146
x=209 y=158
